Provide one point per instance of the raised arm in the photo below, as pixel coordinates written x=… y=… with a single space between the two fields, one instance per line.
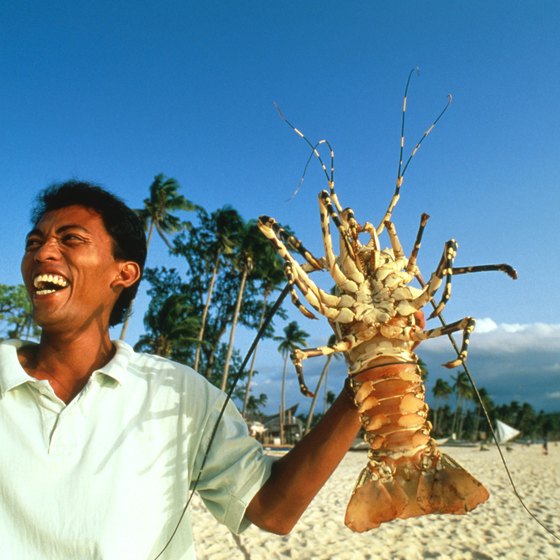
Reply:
x=300 y=474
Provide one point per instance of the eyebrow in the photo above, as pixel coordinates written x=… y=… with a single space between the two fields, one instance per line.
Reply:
x=61 y=229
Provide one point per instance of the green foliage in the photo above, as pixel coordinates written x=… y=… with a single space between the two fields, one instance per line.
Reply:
x=521 y=416
x=16 y=313
x=158 y=207
x=157 y=215
x=220 y=251
x=293 y=337
x=171 y=327
x=423 y=369
x=255 y=405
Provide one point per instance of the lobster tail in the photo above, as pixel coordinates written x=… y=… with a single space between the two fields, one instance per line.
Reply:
x=406 y=475
x=452 y=489
x=411 y=491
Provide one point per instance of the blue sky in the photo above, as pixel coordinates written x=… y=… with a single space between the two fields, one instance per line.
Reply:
x=116 y=92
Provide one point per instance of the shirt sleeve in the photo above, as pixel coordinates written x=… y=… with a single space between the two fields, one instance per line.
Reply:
x=235 y=469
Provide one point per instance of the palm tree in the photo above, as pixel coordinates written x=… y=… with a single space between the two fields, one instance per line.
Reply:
x=293 y=337
x=169 y=326
x=488 y=404
x=156 y=215
x=224 y=226
x=271 y=273
x=253 y=247
x=463 y=390
x=423 y=369
x=526 y=418
x=441 y=390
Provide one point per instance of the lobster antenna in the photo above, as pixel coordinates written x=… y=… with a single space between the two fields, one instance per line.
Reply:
x=311 y=155
x=417 y=70
x=314 y=152
x=402 y=169
x=229 y=394
x=396 y=195
x=487 y=416
x=426 y=132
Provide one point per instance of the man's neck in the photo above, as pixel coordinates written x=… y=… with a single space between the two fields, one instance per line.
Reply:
x=67 y=363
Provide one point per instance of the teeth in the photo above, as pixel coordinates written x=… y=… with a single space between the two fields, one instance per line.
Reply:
x=41 y=279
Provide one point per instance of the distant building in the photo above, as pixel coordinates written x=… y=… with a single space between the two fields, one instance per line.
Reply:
x=268 y=430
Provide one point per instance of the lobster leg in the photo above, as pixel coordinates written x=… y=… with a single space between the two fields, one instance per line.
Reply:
x=333 y=307
x=509 y=270
x=395 y=243
x=466 y=325
x=300 y=354
x=373 y=243
x=346 y=281
x=292 y=241
x=444 y=268
x=411 y=266
x=293 y=294
x=324 y=303
x=320 y=300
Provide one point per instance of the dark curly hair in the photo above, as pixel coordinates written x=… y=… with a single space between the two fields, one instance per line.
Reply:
x=121 y=222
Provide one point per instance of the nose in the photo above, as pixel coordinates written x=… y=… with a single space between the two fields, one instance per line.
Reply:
x=47 y=251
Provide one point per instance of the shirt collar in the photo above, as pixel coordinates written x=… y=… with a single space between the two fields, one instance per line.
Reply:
x=11 y=373
x=117 y=367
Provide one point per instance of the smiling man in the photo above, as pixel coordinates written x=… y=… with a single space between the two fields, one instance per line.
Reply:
x=99 y=444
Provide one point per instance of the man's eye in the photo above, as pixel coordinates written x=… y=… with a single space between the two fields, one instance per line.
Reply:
x=32 y=243
x=71 y=238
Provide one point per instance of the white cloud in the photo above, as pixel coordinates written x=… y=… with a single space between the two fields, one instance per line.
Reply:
x=485 y=325
x=502 y=338
x=513 y=327
x=513 y=361
x=520 y=337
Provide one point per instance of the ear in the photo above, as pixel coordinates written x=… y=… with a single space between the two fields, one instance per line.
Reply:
x=129 y=274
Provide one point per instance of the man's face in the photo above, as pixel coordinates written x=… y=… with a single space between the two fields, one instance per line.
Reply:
x=69 y=269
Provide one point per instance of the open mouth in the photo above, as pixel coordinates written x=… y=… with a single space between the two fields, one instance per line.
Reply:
x=49 y=284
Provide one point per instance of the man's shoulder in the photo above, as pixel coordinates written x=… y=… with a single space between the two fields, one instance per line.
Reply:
x=16 y=343
x=154 y=368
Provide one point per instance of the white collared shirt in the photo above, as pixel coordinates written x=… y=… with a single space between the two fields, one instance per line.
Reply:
x=108 y=475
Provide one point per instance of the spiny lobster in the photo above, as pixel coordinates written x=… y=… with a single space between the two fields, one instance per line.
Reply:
x=375 y=314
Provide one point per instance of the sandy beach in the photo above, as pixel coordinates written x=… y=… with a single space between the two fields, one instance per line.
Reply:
x=500 y=528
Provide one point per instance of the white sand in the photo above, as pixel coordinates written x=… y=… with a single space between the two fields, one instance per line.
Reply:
x=500 y=528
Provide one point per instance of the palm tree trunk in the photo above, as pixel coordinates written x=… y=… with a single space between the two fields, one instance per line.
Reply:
x=283 y=399
x=462 y=421
x=458 y=410
x=316 y=394
x=326 y=393
x=477 y=423
x=233 y=325
x=435 y=417
x=252 y=367
x=129 y=310
x=205 y=311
